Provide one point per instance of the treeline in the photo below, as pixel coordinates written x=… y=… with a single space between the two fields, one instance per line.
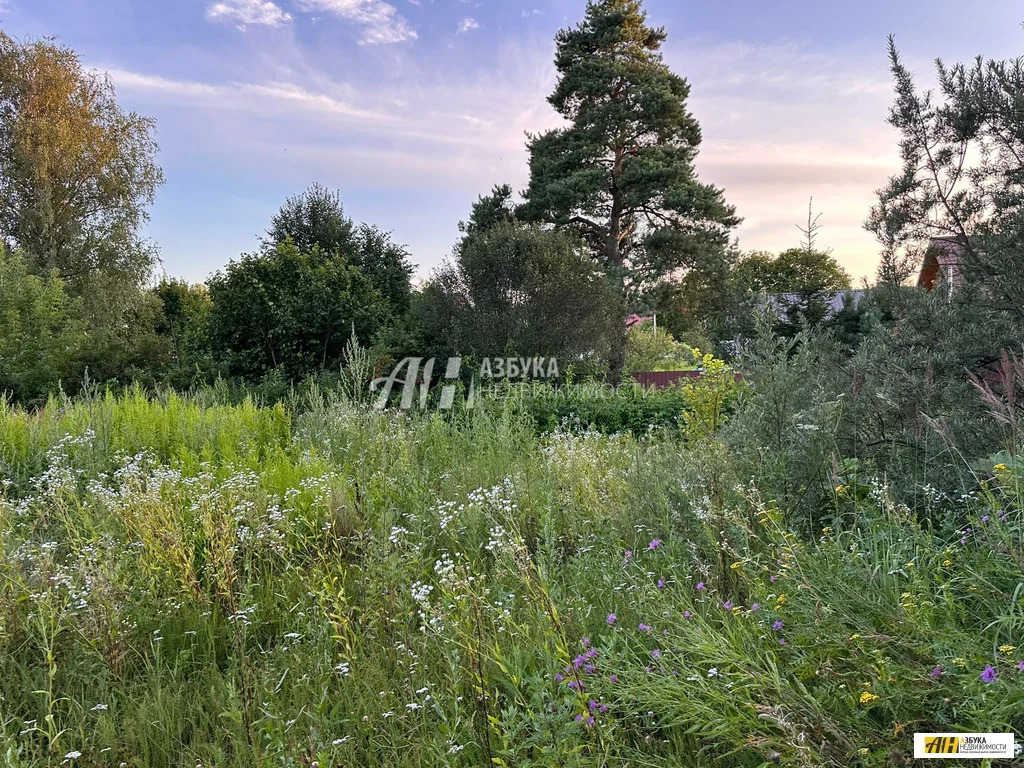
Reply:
x=614 y=222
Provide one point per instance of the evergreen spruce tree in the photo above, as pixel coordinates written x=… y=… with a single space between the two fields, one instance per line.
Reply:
x=621 y=173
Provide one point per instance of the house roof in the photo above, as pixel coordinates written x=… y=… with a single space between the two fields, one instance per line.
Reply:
x=941 y=262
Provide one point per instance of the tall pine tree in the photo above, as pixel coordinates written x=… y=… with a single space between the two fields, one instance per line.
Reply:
x=621 y=173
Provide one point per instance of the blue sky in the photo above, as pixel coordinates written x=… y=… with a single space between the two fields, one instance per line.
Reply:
x=411 y=108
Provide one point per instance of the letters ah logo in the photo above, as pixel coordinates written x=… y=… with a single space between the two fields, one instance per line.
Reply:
x=942 y=745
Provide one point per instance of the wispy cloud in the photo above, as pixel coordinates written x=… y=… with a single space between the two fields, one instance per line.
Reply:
x=244 y=12
x=467 y=25
x=781 y=125
x=380 y=21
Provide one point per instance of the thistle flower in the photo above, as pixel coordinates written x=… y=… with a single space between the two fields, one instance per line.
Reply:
x=989 y=675
x=777 y=625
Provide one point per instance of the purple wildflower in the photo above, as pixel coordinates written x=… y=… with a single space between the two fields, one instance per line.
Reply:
x=777 y=625
x=590 y=720
x=772 y=578
x=700 y=586
x=936 y=673
x=687 y=614
x=755 y=607
x=655 y=543
x=579 y=718
x=603 y=708
x=985 y=519
x=591 y=653
x=613 y=678
x=655 y=654
x=590 y=669
x=661 y=583
x=727 y=605
x=592 y=704
x=629 y=553
x=1020 y=666
x=643 y=627
x=782 y=641
x=558 y=677
x=586 y=642
x=989 y=675
x=611 y=619
x=574 y=685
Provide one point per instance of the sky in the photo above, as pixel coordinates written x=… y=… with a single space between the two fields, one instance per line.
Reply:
x=413 y=108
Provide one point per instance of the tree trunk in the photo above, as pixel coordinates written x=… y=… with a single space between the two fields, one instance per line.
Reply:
x=613 y=265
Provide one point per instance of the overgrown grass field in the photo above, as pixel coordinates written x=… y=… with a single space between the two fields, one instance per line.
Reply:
x=186 y=582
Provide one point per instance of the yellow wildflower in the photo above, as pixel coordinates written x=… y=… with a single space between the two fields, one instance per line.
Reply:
x=855 y=637
x=840 y=490
x=862 y=751
x=1000 y=467
x=910 y=565
x=867 y=697
x=826 y=530
x=1007 y=648
x=781 y=599
x=959 y=661
x=736 y=566
x=972 y=588
x=947 y=563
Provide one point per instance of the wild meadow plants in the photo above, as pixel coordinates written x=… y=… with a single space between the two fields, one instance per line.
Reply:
x=184 y=582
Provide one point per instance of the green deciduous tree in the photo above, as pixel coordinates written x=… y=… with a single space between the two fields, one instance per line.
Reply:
x=621 y=173
x=40 y=334
x=76 y=172
x=518 y=289
x=184 y=322
x=293 y=310
x=316 y=219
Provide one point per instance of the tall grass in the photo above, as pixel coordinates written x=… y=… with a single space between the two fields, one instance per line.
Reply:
x=183 y=581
